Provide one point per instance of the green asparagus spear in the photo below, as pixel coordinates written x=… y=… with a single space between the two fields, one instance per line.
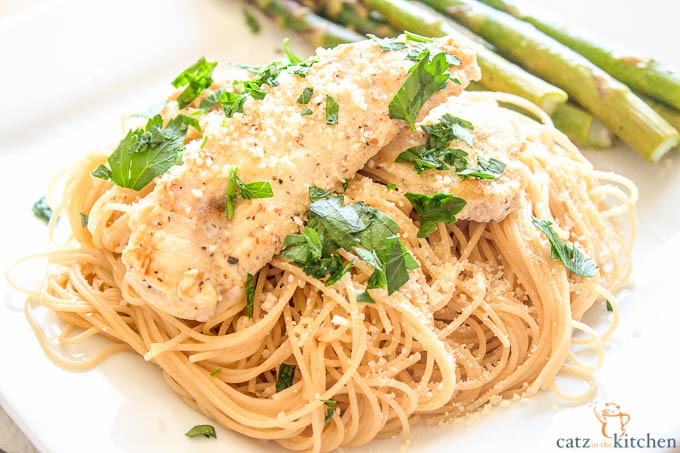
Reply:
x=577 y=124
x=581 y=127
x=646 y=75
x=352 y=15
x=668 y=113
x=607 y=98
x=317 y=30
x=497 y=73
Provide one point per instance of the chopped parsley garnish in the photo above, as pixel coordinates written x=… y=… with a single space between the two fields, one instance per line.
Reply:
x=435 y=153
x=414 y=37
x=305 y=112
x=202 y=430
x=317 y=193
x=387 y=44
x=83 y=220
x=391 y=186
x=329 y=411
x=425 y=78
x=396 y=271
x=418 y=52
x=216 y=372
x=337 y=275
x=204 y=140
x=208 y=103
x=450 y=127
x=609 y=306
x=439 y=207
x=250 y=295
x=345 y=185
x=572 y=258
x=236 y=187
x=306 y=96
x=332 y=109
x=359 y=228
x=42 y=210
x=233 y=101
x=285 y=377
x=196 y=77
x=486 y=169
x=146 y=153
x=424 y=158
x=294 y=59
x=251 y=21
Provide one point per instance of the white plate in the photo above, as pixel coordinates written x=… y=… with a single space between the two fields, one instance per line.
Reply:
x=71 y=68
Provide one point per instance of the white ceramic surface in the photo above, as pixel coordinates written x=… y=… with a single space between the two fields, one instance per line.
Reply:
x=69 y=69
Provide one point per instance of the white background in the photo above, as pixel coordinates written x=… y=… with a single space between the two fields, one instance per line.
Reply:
x=69 y=69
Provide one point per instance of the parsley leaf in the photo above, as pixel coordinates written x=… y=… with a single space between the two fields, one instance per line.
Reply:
x=387 y=44
x=345 y=185
x=329 y=412
x=42 y=210
x=305 y=112
x=306 y=96
x=416 y=37
x=572 y=258
x=391 y=186
x=487 y=169
x=285 y=377
x=216 y=372
x=236 y=187
x=435 y=152
x=197 y=77
x=146 y=153
x=339 y=272
x=231 y=192
x=202 y=430
x=425 y=79
x=363 y=229
x=439 y=207
x=378 y=278
x=317 y=193
x=294 y=59
x=336 y=222
x=250 y=295
x=214 y=98
x=84 y=218
x=319 y=268
x=232 y=102
x=365 y=297
x=259 y=189
x=449 y=127
x=379 y=227
x=395 y=265
x=251 y=21
x=609 y=306
x=332 y=109
x=429 y=50
x=424 y=158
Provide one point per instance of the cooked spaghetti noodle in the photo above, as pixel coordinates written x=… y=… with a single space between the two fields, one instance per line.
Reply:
x=488 y=316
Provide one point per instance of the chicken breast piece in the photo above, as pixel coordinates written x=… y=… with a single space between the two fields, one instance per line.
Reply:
x=495 y=135
x=184 y=256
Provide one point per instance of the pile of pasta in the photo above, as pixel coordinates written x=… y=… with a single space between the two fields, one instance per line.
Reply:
x=487 y=317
